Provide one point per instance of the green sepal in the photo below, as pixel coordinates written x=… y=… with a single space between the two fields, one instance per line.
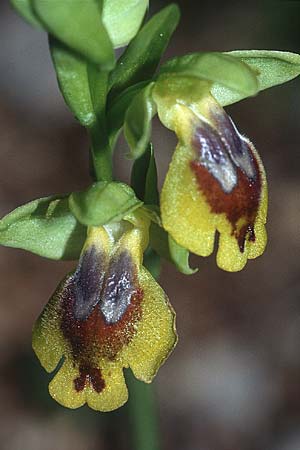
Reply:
x=144 y=178
x=272 y=67
x=141 y=58
x=219 y=69
x=122 y=19
x=152 y=262
x=137 y=125
x=168 y=249
x=25 y=9
x=103 y=202
x=78 y=24
x=45 y=227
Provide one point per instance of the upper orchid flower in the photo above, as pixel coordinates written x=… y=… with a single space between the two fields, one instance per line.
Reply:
x=108 y=314
x=215 y=182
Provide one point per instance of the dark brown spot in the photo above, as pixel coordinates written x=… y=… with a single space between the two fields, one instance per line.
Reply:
x=245 y=230
x=89 y=375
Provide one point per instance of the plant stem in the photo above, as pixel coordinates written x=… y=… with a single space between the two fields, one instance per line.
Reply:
x=101 y=154
x=142 y=415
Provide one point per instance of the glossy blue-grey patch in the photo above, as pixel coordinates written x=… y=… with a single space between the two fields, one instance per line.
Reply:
x=118 y=289
x=212 y=154
x=86 y=284
x=236 y=144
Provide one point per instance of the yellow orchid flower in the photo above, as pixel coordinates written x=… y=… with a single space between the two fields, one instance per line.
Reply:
x=216 y=180
x=107 y=315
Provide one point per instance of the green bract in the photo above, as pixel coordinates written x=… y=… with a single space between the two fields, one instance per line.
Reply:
x=118 y=107
x=137 y=125
x=152 y=262
x=144 y=177
x=72 y=75
x=140 y=60
x=180 y=257
x=103 y=202
x=168 y=249
x=122 y=19
x=78 y=24
x=44 y=226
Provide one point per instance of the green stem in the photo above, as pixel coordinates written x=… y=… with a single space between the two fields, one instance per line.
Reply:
x=143 y=415
x=101 y=154
x=100 y=149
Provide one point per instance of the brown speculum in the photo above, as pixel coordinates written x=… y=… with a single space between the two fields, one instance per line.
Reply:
x=228 y=174
x=100 y=306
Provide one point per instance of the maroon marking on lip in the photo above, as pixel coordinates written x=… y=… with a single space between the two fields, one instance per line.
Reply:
x=241 y=203
x=93 y=338
x=89 y=375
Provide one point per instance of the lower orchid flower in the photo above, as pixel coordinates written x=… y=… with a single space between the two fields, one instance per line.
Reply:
x=107 y=315
x=215 y=182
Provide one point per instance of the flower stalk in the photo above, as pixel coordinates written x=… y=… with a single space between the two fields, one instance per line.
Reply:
x=143 y=415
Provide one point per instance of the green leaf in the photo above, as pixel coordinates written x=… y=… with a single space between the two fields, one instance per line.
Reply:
x=24 y=8
x=103 y=202
x=72 y=76
x=78 y=24
x=122 y=19
x=117 y=109
x=144 y=178
x=272 y=67
x=168 y=249
x=44 y=226
x=217 y=68
x=137 y=125
x=180 y=257
x=140 y=60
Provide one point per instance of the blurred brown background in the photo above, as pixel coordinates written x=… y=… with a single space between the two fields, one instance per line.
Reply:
x=233 y=382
